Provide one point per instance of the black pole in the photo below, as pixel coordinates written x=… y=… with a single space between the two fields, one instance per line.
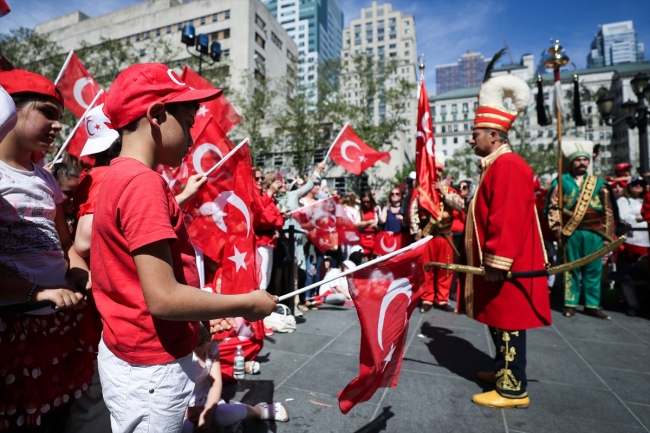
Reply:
x=200 y=62
x=642 y=124
x=292 y=267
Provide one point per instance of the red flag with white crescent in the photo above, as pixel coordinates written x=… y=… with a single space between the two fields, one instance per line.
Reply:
x=221 y=223
x=220 y=108
x=425 y=160
x=386 y=243
x=350 y=152
x=327 y=225
x=77 y=86
x=385 y=295
x=85 y=130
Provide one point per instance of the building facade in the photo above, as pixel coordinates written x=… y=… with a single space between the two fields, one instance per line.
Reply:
x=384 y=34
x=615 y=43
x=453 y=112
x=316 y=27
x=467 y=72
x=251 y=38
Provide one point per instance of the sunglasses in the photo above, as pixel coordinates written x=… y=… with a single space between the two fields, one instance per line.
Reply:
x=395 y=193
x=365 y=201
x=259 y=177
x=463 y=187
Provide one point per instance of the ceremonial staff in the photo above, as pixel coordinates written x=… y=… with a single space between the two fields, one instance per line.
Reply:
x=556 y=59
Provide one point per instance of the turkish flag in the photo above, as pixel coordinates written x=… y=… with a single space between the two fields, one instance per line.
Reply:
x=425 y=161
x=387 y=242
x=221 y=223
x=78 y=140
x=327 y=225
x=385 y=296
x=76 y=85
x=4 y=8
x=351 y=153
x=220 y=108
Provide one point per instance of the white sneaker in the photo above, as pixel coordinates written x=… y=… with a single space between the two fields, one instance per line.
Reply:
x=278 y=412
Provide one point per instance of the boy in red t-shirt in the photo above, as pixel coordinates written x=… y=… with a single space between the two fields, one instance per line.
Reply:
x=143 y=265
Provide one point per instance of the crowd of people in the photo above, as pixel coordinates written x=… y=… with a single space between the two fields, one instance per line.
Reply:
x=144 y=348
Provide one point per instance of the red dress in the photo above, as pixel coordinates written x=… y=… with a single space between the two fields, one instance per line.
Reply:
x=367 y=235
x=502 y=232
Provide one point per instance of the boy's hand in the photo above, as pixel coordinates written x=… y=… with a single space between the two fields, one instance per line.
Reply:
x=262 y=304
x=219 y=325
x=62 y=296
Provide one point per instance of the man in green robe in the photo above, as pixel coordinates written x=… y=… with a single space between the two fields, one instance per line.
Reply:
x=588 y=223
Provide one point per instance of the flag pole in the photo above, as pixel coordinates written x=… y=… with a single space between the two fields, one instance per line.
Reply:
x=335 y=140
x=310 y=205
x=358 y=268
x=63 y=68
x=225 y=158
x=556 y=59
x=74 y=130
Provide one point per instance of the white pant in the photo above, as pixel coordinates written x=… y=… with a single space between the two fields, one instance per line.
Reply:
x=145 y=398
x=267 y=265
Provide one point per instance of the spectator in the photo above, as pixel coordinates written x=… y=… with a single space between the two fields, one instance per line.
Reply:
x=313 y=257
x=337 y=291
x=637 y=242
x=268 y=222
x=392 y=217
x=367 y=223
x=206 y=408
x=618 y=188
x=622 y=170
x=38 y=263
x=324 y=191
x=68 y=179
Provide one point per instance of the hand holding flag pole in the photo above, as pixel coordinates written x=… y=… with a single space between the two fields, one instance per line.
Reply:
x=358 y=268
x=79 y=122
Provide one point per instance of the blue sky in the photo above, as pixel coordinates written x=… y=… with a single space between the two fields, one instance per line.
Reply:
x=445 y=28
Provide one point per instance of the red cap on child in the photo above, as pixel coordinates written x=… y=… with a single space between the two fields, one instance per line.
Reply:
x=139 y=86
x=22 y=81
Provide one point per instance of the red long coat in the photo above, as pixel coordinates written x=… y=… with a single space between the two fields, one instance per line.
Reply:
x=502 y=215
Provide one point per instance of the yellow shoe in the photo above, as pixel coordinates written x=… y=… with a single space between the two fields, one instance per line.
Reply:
x=487 y=376
x=494 y=399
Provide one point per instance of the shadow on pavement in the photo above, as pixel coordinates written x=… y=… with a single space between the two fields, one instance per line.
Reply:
x=256 y=391
x=457 y=355
x=378 y=424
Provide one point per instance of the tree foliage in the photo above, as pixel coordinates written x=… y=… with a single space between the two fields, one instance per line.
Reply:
x=32 y=51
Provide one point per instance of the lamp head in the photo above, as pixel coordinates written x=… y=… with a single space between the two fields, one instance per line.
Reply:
x=638 y=83
x=188 y=36
x=202 y=44
x=215 y=51
x=605 y=104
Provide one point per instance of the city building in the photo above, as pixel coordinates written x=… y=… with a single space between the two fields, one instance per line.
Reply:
x=315 y=26
x=251 y=38
x=467 y=72
x=453 y=112
x=615 y=43
x=388 y=34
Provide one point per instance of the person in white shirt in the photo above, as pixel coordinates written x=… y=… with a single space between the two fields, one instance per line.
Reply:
x=336 y=292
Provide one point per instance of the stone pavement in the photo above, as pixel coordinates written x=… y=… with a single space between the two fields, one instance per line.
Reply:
x=585 y=375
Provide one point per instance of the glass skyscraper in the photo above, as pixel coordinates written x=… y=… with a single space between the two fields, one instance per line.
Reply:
x=614 y=44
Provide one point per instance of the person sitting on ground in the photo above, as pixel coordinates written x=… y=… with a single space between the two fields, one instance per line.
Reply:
x=335 y=292
x=207 y=409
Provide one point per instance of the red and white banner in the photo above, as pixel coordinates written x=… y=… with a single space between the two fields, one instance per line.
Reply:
x=82 y=133
x=327 y=224
x=350 y=152
x=385 y=295
x=220 y=108
x=387 y=242
x=221 y=222
x=76 y=85
x=425 y=160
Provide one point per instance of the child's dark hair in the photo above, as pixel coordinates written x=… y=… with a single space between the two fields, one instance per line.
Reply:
x=105 y=157
x=23 y=98
x=204 y=335
x=356 y=257
x=63 y=171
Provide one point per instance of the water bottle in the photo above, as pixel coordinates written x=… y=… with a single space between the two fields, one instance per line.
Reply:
x=239 y=372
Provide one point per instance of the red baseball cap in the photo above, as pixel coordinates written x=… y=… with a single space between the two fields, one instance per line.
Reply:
x=139 y=86
x=22 y=81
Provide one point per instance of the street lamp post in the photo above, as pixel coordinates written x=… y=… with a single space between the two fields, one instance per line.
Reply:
x=201 y=44
x=635 y=114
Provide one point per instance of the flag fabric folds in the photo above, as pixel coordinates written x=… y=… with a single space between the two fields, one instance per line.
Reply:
x=425 y=160
x=220 y=108
x=385 y=295
x=387 y=242
x=220 y=222
x=350 y=152
x=326 y=223
x=76 y=85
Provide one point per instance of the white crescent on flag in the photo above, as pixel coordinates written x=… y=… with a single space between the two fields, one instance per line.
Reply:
x=344 y=148
x=401 y=286
x=78 y=88
x=216 y=210
x=388 y=249
x=200 y=151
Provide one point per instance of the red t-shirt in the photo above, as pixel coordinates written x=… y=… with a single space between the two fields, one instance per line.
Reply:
x=135 y=207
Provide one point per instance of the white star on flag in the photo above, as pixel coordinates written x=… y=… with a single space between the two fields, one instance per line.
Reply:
x=331 y=229
x=238 y=258
x=202 y=111
x=389 y=357
x=362 y=158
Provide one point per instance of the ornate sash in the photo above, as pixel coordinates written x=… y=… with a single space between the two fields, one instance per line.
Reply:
x=582 y=204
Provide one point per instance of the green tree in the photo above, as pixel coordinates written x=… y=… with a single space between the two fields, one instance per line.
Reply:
x=104 y=61
x=463 y=164
x=32 y=51
x=542 y=158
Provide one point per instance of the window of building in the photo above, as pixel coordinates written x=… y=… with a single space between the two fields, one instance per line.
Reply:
x=444 y=118
x=225 y=53
x=407 y=31
x=368 y=51
x=455 y=140
x=369 y=14
x=433 y=110
x=380 y=12
x=549 y=133
x=145 y=35
x=392 y=55
x=475 y=105
x=127 y=39
x=137 y=37
x=465 y=127
x=406 y=53
x=179 y=27
x=444 y=140
x=454 y=108
x=443 y=109
x=444 y=128
x=169 y=29
x=608 y=135
x=406 y=23
x=465 y=107
x=142 y=52
x=540 y=133
x=290 y=55
x=202 y=21
x=456 y=128
x=260 y=22
x=276 y=40
x=226 y=14
x=157 y=32
x=221 y=34
x=215 y=18
x=260 y=40
x=392 y=46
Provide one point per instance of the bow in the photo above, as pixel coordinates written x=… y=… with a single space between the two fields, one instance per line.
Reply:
x=566 y=267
